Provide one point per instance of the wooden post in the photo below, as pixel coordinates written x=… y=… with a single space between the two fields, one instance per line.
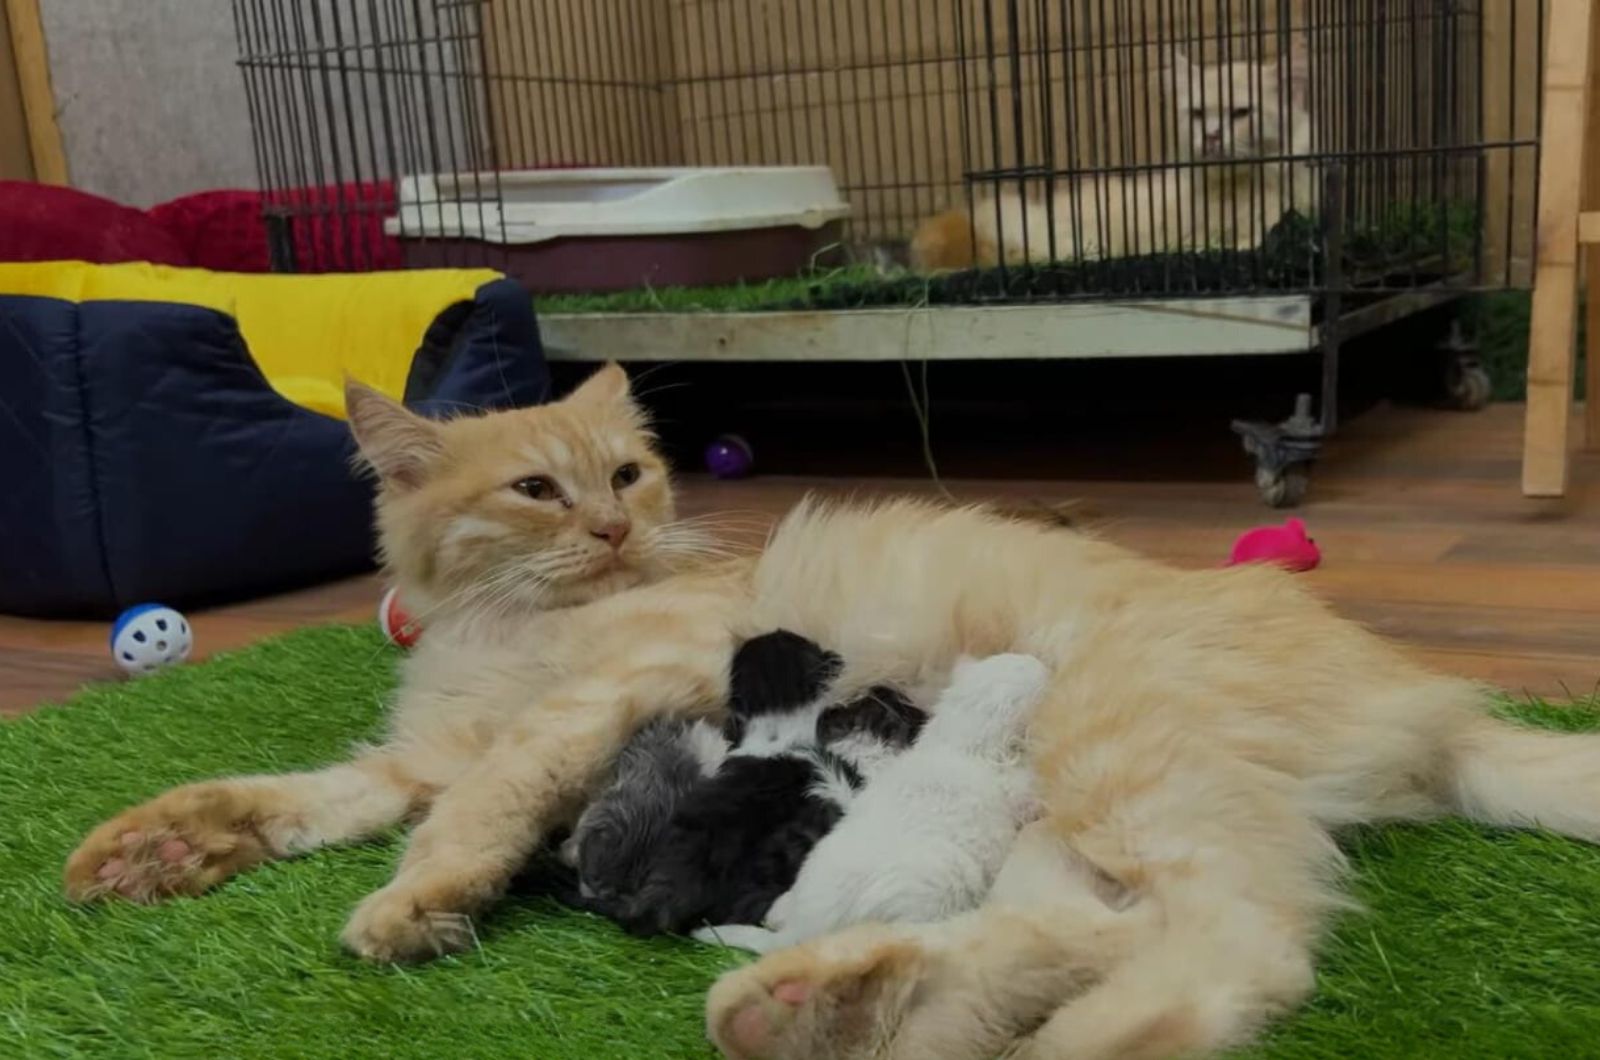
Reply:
x=1545 y=448
x=1591 y=240
x=38 y=99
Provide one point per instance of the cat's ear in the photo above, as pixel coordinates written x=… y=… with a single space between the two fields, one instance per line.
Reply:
x=608 y=386
x=395 y=442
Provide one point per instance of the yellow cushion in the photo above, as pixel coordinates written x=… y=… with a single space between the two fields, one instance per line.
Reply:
x=306 y=333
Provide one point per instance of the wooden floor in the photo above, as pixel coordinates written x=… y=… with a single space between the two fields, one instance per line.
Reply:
x=1424 y=533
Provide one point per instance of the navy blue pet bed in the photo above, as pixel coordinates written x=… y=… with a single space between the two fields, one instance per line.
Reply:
x=149 y=458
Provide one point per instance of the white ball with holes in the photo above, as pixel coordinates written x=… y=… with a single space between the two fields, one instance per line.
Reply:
x=150 y=637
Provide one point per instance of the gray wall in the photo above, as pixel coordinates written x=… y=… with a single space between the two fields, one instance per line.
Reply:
x=150 y=103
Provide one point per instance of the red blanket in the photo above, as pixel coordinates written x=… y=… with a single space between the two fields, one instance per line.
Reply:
x=222 y=230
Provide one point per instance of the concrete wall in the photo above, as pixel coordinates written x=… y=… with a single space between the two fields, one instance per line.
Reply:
x=150 y=103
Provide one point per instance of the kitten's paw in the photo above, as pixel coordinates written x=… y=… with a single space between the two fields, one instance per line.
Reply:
x=738 y=936
x=839 y=997
x=180 y=843
x=402 y=922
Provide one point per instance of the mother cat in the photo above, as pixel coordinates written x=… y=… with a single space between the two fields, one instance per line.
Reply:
x=1203 y=734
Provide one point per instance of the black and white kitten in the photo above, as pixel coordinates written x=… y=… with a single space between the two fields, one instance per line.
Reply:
x=686 y=836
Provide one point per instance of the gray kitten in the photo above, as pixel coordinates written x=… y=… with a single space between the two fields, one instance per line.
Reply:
x=614 y=838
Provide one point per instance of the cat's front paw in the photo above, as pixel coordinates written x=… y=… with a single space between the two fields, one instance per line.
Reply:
x=181 y=843
x=403 y=922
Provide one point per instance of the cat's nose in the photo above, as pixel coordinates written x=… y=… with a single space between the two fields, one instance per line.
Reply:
x=613 y=531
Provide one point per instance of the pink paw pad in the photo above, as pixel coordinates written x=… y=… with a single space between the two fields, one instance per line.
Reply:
x=174 y=850
x=792 y=992
x=749 y=1031
x=114 y=867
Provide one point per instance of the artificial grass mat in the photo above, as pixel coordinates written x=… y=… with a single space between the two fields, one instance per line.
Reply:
x=1473 y=944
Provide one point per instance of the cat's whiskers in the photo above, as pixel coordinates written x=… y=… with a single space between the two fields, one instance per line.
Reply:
x=678 y=542
x=734 y=517
x=505 y=582
x=714 y=528
x=461 y=597
x=526 y=585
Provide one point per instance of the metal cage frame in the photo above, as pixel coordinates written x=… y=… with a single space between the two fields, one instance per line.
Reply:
x=1420 y=164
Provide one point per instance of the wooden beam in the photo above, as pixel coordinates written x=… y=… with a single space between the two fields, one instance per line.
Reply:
x=1191 y=328
x=1589 y=220
x=38 y=98
x=16 y=154
x=1545 y=448
x=1589 y=235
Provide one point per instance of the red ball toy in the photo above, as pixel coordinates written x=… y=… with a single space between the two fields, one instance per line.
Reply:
x=398 y=626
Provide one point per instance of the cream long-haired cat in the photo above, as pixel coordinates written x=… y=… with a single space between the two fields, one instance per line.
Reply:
x=1228 y=112
x=1202 y=735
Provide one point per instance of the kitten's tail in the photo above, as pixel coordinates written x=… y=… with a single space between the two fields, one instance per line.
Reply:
x=945 y=241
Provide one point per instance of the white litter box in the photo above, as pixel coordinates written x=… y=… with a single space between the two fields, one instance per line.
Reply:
x=610 y=229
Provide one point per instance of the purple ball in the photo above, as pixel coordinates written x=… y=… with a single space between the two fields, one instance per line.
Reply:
x=729 y=456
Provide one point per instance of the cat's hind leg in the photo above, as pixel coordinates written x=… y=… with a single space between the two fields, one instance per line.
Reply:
x=963 y=989
x=1241 y=876
x=191 y=838
x=1197 y=886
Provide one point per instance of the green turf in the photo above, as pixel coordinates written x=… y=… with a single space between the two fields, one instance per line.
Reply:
x=1475 y=944
x=784 y=292
x=1290 y=258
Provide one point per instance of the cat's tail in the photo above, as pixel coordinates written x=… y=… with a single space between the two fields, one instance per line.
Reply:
x=945 y=241
x=1507 y=774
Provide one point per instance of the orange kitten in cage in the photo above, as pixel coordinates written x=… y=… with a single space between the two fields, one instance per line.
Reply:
x=1248 y=113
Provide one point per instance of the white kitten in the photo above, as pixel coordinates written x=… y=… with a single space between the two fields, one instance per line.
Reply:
x=925 y=837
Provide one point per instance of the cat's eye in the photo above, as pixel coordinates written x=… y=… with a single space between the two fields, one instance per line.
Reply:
x=626 y=475
x=1241 y=113
x=538 y=488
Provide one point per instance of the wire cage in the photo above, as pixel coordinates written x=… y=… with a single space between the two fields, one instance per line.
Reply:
x=1366 y=157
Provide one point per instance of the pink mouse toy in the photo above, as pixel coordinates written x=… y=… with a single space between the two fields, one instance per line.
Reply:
x=1286 y=545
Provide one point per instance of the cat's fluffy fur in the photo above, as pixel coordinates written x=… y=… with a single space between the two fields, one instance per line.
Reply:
x=1240 y=111
x=925 y=837
x=685 y=836
x=1203 y=734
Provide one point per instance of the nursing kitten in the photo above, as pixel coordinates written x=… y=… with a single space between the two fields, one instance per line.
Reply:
x=925 y=837
x=615 y=845
x=666 y=855
x=1241 y=111
x=611 y=845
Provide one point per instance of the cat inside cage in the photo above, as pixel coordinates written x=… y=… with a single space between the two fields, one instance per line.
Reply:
x=962 y=134
x=1244 y=135
x=1292 y=144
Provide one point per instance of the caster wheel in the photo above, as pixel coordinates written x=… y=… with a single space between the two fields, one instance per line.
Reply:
x=1467 y=385
x=1285 y=488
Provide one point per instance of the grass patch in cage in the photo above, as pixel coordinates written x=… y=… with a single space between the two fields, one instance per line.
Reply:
x=1408 y=244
